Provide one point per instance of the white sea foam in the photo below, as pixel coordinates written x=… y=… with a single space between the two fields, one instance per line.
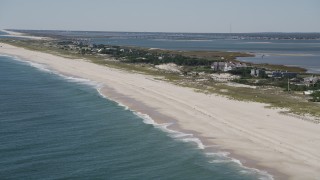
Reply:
x=219 y=157
x=82 y=81
x=223 y=157
x=5 y=55
x=40 y=67
x=106 y=97
x=172 y=133
x=46 y=69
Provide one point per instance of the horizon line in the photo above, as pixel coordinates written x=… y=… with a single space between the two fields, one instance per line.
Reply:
x=121 y=31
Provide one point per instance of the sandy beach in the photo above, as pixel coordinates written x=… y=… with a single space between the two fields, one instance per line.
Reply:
x=284 y=146
x=21 y=35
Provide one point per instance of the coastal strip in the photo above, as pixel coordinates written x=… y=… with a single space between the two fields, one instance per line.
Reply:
x=261 y=138
x=21 y=35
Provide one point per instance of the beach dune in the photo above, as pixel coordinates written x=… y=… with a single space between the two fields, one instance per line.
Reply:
x=262 y=138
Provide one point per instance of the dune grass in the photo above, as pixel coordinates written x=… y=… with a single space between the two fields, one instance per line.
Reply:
x=273 y=96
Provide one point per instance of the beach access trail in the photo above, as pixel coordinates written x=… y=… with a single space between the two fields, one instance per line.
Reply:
x=262 y=138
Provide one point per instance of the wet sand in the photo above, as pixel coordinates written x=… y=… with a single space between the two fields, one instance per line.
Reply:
x=285 y=146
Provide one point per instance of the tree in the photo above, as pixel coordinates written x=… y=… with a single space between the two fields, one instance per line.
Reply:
x=315 y=96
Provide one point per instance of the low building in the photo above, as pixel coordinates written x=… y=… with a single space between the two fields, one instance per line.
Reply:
x=269 y=74
x=218 y=66
x=312 y=80
x=255 y=72
x=289 y=75
x=280 y=74
x=226 y=66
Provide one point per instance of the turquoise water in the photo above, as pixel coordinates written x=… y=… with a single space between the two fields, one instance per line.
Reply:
x=53 y=127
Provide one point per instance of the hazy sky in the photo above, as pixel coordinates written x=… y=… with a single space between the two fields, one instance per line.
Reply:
x=163 y=15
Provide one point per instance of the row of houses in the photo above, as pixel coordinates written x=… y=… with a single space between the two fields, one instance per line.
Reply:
x=272 y=74
x=307 y=81
x=227 y=66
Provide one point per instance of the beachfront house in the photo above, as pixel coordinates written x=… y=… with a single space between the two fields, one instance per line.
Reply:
x=226 y=66
x=218 y=66
x=312 y=80
x=280 y=74
x=255 y=72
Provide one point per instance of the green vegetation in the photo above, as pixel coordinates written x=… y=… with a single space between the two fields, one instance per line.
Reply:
x=193 y=74
x=315 y=96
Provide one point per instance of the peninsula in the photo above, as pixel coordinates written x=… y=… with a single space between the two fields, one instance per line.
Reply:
x=283 y=144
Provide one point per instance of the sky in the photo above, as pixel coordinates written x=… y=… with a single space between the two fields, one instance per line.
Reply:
x=210 y=16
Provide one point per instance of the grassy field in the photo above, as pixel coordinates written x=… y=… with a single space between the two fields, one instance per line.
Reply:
x=275 y=97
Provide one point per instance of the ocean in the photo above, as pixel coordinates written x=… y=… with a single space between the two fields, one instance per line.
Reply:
x=58 y=127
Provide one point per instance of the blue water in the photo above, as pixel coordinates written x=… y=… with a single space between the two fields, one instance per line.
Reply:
x=302 y=53
x=2 y=33
x=52 y=127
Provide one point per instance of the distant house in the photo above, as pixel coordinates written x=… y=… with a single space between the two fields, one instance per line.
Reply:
x=280 y=74
x=218 y=66
x=92 y=46
x=241 y=65
x=256 y=72
x=226 y=66
x=312 y=80
x=289 y=74
x=277 y=74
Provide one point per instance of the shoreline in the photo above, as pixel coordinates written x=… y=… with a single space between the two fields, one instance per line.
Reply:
x=21 y=35
x=188 y=105
x=172 y=127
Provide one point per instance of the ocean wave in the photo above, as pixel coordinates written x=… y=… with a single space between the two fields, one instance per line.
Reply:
x=214 y=157
x=38 y=66
x=163 y=127
x=219 y=157
x=82 y=81
x=106 y=97
x=172 y=133
x=224 y=158
x=46 y=69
